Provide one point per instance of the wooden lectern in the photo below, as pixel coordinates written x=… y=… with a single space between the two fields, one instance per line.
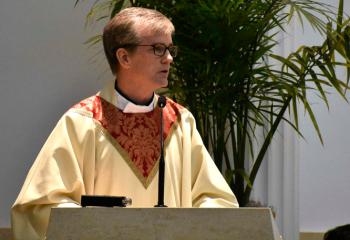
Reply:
x=161 y=224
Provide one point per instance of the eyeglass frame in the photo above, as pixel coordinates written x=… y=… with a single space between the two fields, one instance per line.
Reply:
x=169 y=48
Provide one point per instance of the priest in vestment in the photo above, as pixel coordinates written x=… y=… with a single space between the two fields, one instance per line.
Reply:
x=108 y=144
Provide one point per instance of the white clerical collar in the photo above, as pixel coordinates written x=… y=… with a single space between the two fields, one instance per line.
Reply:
x=129 y=107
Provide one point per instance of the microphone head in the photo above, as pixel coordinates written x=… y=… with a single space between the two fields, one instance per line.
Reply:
x=161 y=101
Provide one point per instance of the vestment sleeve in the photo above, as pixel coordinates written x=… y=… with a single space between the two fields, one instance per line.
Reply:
x=209 y=188
x=56 y=177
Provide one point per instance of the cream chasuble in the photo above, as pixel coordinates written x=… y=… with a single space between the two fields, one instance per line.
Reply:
x=96 y=149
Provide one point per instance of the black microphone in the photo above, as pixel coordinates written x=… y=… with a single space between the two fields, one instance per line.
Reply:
x=105 y=201
x=161 y=102
x=161 y=105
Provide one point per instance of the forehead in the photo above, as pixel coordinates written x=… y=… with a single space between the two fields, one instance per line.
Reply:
x=148 y=35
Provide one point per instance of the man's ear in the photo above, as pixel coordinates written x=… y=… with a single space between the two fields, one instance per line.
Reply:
x=123 y=57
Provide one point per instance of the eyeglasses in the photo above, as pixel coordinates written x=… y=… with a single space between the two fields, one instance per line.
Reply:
x=159 y=49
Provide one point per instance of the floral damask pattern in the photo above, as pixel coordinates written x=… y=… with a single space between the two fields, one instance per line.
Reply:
x=137 y=133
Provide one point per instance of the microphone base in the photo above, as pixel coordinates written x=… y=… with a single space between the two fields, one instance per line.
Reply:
x=160 y=206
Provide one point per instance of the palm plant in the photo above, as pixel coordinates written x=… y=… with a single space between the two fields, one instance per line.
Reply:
x=225 y=77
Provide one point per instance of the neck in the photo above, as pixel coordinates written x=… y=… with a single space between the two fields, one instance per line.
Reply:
x=132 y=96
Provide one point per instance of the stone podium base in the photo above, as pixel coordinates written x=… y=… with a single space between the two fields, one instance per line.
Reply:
x=161 y=224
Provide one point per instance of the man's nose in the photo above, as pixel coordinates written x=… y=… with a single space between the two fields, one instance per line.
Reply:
x=167 y=58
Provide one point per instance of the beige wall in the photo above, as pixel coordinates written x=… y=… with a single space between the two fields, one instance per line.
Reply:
x=311 y=236
x=5 y=234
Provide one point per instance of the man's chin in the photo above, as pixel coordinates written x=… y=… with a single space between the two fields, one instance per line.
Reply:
x=163 y=83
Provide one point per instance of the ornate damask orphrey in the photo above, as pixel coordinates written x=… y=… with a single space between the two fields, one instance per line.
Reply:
x=137 y=133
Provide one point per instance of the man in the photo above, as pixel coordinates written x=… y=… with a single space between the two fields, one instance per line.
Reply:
x=338 y=233
x=108 y=144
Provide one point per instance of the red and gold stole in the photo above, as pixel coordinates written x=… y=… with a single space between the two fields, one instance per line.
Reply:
x=138 y=134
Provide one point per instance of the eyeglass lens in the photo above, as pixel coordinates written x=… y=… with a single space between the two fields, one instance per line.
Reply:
x=160 y=49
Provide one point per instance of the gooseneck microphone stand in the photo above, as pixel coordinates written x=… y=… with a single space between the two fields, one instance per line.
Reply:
x=161 y=104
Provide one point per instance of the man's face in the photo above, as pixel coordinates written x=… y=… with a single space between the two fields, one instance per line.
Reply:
x=147 y=69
